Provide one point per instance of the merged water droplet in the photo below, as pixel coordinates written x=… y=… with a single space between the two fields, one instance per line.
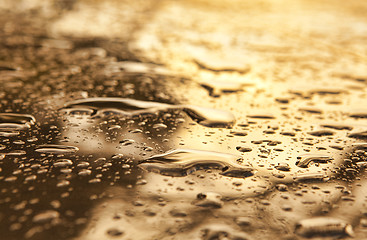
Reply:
x=12 y=123
x=124 y=106
x=182 y=162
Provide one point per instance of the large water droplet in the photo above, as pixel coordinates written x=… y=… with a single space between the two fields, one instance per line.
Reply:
x=205 y=116
x=17 y=118
x=359 y=135
x=56 y=149
x=323 y=226
x=305 y=160
x=12 y=123
x=182 y=162
x=309 y=177
x=210 y=117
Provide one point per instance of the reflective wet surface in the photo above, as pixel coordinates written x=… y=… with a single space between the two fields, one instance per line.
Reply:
x=183 y=119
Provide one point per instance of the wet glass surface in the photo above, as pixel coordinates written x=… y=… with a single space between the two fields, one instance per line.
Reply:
x=183 y=119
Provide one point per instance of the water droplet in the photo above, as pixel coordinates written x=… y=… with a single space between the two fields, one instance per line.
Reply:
x=323 y=226
x=305 y=177
x=359 y=114
x=12 y=123
x=304 y=160
x=244 y=149
x=46 y=216
x=30 y=178
x=56 y=149
x=320 y=133
x=63 y=183
x=83 y=164
x=17 y=118
x=243 y=221
x=159 y=126
x=94 y=180
x=239 y=133
x=10 y=179
x=288 y=133
x=84 y=172
x=360 y=146
x=16 y=153
x=282 y=187
x=13 y=127
x=359 y=135
x=283 y=167
x=310 y=110
x=141 y=182
x=136 y=131
x=114 y=232
x=210 y=117
x=63 y=163
x=328 y=90
x=337 y=126
x=138 y=67
x=216 y=88
x=178 y=213
x=338 y=147
x=127 y=142
x=261 y=116
x=209 y=200
x=282 y=100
